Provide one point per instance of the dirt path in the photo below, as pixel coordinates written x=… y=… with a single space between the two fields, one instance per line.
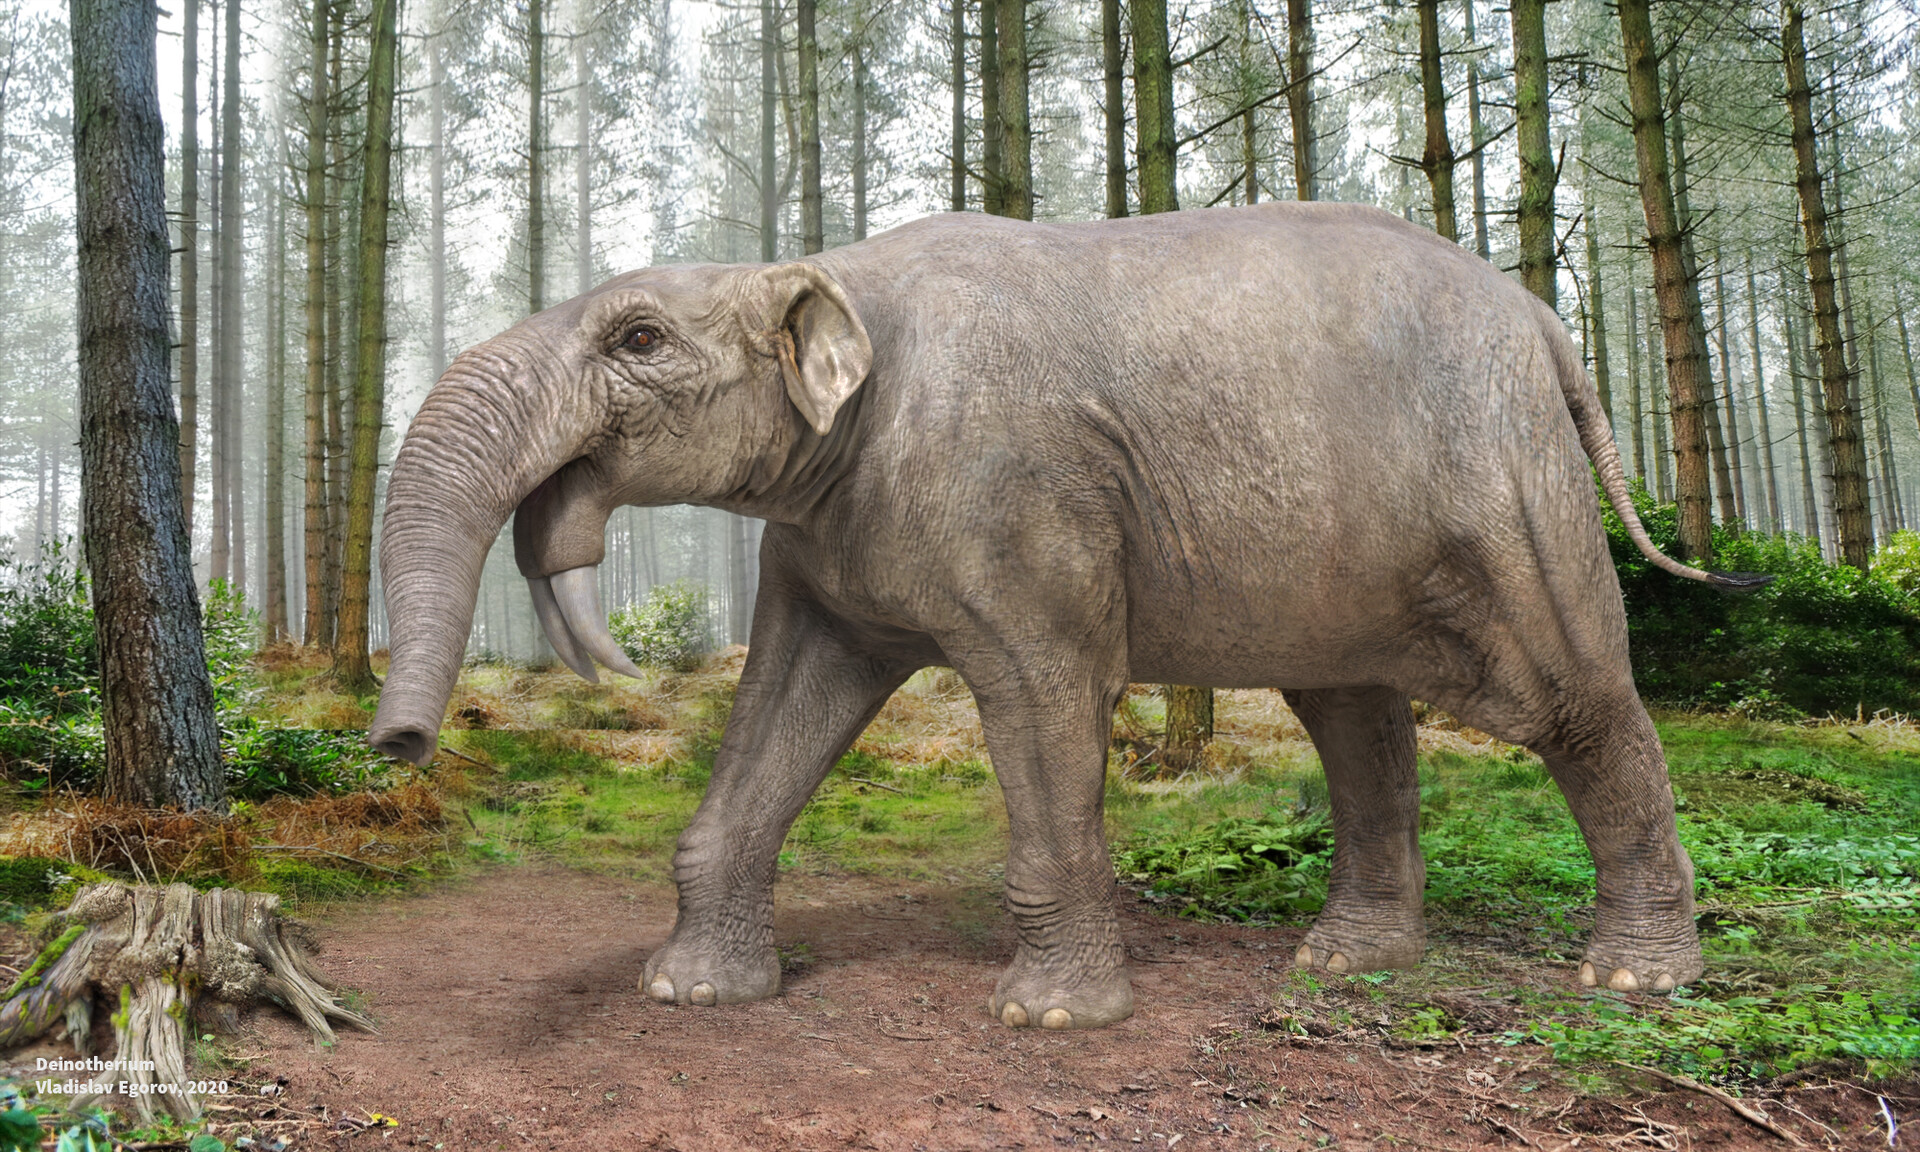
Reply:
x=510 y=1019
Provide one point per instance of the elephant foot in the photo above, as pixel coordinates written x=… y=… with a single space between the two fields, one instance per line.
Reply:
x=692 y=972
x=1634 y=966
x=1345 y=945
x=1033 y=993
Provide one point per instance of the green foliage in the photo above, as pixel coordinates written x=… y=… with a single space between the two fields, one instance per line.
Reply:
x=1272 y=867
x=672 y=629
x=19 y=1130
x=1821 y=638
x=28 y=880
x=48 y=662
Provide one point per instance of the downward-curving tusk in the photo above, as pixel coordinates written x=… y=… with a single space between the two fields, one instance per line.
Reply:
x=578 y=591
x=554 y=624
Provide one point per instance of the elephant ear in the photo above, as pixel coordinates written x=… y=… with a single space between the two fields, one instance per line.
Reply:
x=823 y=347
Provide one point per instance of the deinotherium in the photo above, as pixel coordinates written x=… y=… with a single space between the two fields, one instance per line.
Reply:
x=1302 y=446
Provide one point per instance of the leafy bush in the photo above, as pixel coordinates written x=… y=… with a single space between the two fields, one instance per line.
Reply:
x=1246 y=869
x=1821 y=638
x=47 y=659
x=672 y=629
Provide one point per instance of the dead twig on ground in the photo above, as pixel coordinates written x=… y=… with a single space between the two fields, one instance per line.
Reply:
x=876 y=784
x=1750 y=1115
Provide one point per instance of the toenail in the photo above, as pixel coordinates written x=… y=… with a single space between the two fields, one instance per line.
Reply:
x=661 y=989
x=1588 y=976
x=1013 y=1015
x=1664 y=983
x=1337 y=962
x=1304 y=957
x=703 y=995
x=1057 y=1018
x=1623 y=980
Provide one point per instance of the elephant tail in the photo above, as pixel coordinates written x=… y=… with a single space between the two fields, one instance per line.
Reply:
x=1596 y=436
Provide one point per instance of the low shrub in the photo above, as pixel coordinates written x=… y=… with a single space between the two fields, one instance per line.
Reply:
x=672 y=628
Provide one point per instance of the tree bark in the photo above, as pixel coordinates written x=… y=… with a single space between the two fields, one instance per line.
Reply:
x=1597 y=313
x=1113 y=69
x=219 y=546
x=1892 y=514
x=1479 y=137
x=1670 y=283
x=1437 y=160
x=162 y=747
x=437 y=200
x=991 y=184
x=1906 y=348
x=275 y=516
x=1189 y=727
x=1537 y=170
x=860 y=81
x=1016 y=131
x=315 y=631
x=1306 y=155
x=1836 y=375
x=1729 y=375
x=336 y=272
x=536 y=156
x=957 y=144
x=812 y=228
x=1155 y=133
x=769 y=194
x=1690 y=264
x=189 y=257
x=1774 y=517
x=583 y=160
x=351 y=670
x=1809 y=494
x=1635 y=398
x=232 y=311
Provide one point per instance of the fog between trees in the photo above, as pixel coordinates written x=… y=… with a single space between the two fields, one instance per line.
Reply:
x=542 y=147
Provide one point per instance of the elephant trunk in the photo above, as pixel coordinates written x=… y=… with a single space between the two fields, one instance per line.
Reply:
x=488 y=434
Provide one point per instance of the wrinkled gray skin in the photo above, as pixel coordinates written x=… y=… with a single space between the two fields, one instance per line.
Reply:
x=1302 y=446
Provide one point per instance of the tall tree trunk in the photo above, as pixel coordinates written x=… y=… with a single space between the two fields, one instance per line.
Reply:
x=1597 y=313
x=1437 y=160
x=1892 y=514
x=536 y=156
x=1664 y=464
x=1730 y=391
x=162 y=747
x=1249 y=125
x=1113 y=69
x=957 y=144
x=437 y=199
x=220 y=555
x=769 y=194
x=992 y=185
x=315 y=631
x=1306 y=152
x=1479 y=136
x=189 y=258
x=275 y=513
x=1683 y=374
x=1189 y=727
x=232 y=311
x=1906 y=348
x=1774 y=521
x=336 y=261
x=1635 y=398
x=1809 y=494
x=351 y=669
x=583 y=161
x=812 y=228
x=1537 y=170
x=1836 y=376
x=860 y=82
x=1016 y=131
x=1690 y=263
x=1155 y=133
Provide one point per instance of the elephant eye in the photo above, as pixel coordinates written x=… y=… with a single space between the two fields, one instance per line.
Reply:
x=640 y=339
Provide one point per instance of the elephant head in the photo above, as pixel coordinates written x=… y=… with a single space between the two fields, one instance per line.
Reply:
x=695 y=384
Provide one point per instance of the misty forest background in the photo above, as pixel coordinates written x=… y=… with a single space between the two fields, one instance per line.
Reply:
x=544 y=146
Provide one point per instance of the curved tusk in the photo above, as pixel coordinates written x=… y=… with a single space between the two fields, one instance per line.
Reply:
x=554 y=624
x=578 y=591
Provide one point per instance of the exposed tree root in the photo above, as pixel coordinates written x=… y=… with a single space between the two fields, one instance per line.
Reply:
x=160 y=956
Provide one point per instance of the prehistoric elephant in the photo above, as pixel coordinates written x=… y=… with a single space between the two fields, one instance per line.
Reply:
x=1304 y=446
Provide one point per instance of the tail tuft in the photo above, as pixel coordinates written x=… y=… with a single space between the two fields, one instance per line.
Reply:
x=1739 y=581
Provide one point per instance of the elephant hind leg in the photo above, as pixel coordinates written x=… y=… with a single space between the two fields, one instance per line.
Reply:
x=1365 y=737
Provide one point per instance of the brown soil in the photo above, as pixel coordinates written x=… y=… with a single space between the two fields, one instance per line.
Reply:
x=510 y=1019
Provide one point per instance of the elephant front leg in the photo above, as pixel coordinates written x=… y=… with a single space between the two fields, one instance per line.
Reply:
x=1373 y=918
x=1047 y=715
x=806 y=693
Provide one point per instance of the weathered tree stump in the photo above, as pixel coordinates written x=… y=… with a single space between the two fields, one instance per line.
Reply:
x=159 y=956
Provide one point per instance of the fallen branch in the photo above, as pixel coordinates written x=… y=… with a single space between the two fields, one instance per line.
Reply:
x=328 y=852
x=1750 y=1115
x=876 y=784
